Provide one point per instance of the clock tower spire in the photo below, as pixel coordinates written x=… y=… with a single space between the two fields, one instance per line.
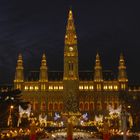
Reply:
x=70 y=50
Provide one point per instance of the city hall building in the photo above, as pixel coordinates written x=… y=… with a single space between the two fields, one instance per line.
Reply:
x=71 y=92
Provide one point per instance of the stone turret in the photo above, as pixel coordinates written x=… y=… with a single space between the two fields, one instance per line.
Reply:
x=98 y=75
x=122 y=76
x=43 y=76
x=19 y=75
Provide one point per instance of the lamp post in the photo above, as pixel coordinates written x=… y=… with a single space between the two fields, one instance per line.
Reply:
x=10 y=116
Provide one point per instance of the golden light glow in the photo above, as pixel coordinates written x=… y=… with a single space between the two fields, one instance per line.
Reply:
x=110 y=87
x=11 y=107
x=18 y=86
x=55 y=87
x=31 y=87
x=51 y=87
x=98 y=86
x=43 y=87
x=129 y=106
x=60 y=87
x=81 y=87
x=36 y=88
x=91 y=87
x=86 y=87
x=70 y=15
x=123 y=86
x=26 y=87
x=115 y=87
x=105 y=87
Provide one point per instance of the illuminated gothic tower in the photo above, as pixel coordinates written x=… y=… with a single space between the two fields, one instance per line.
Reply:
x=98 y=76
x=70 y=51
x=122 y=76
x=43 y=77
x=70 y=76
x=19 y=76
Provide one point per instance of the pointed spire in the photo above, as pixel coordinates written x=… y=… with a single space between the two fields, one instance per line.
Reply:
x=122 y=76
x=70 y=15
x=70 y=50
x=98 y=63
x=98 y=69
x=19 y=61
x=20 y=56
x=44 y=62
x=121 y=61
x=70 y=36
x=19 y=76
x=43 y=69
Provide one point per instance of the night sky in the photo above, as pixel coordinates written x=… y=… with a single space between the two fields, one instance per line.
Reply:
x=34 y=27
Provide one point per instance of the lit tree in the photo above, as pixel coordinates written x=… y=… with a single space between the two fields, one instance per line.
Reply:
x=8 y=98
x=71 y=103
x=131 y=103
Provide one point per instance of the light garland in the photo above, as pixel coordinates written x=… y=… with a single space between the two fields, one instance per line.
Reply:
x=115 y=111
x=24 y=113
x=99 y=118
x=43 y=120
x=56 y=116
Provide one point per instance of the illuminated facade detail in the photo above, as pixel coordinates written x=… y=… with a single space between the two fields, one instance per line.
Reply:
x=98 y=76
x=71 y=93
x=43 y=77
x=19 y=76
x=50 y=88
x=122 y=76
x=26 y=88
x=36 y=88
x=70 y=51
x=60 y=87
x=91 y=87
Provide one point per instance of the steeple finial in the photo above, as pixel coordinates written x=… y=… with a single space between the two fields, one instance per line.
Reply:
x=98 y=69
x=19 y=75
x=121 y=62
x=70 y=15
x=97 y=63
x=43 y=62
x=70 y=36
x=19 y=61
x=122 y=76
x=43 y=77
x=19 y=56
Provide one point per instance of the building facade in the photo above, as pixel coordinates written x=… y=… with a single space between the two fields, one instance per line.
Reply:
x=71 y=93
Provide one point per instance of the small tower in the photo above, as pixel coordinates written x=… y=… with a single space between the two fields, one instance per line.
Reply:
x=98 y=75
x=43 y=77
x=19 y=76
x=70 y=75
x=122 y=76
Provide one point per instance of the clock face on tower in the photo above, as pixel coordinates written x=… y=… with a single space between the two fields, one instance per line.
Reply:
x=70 y=48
